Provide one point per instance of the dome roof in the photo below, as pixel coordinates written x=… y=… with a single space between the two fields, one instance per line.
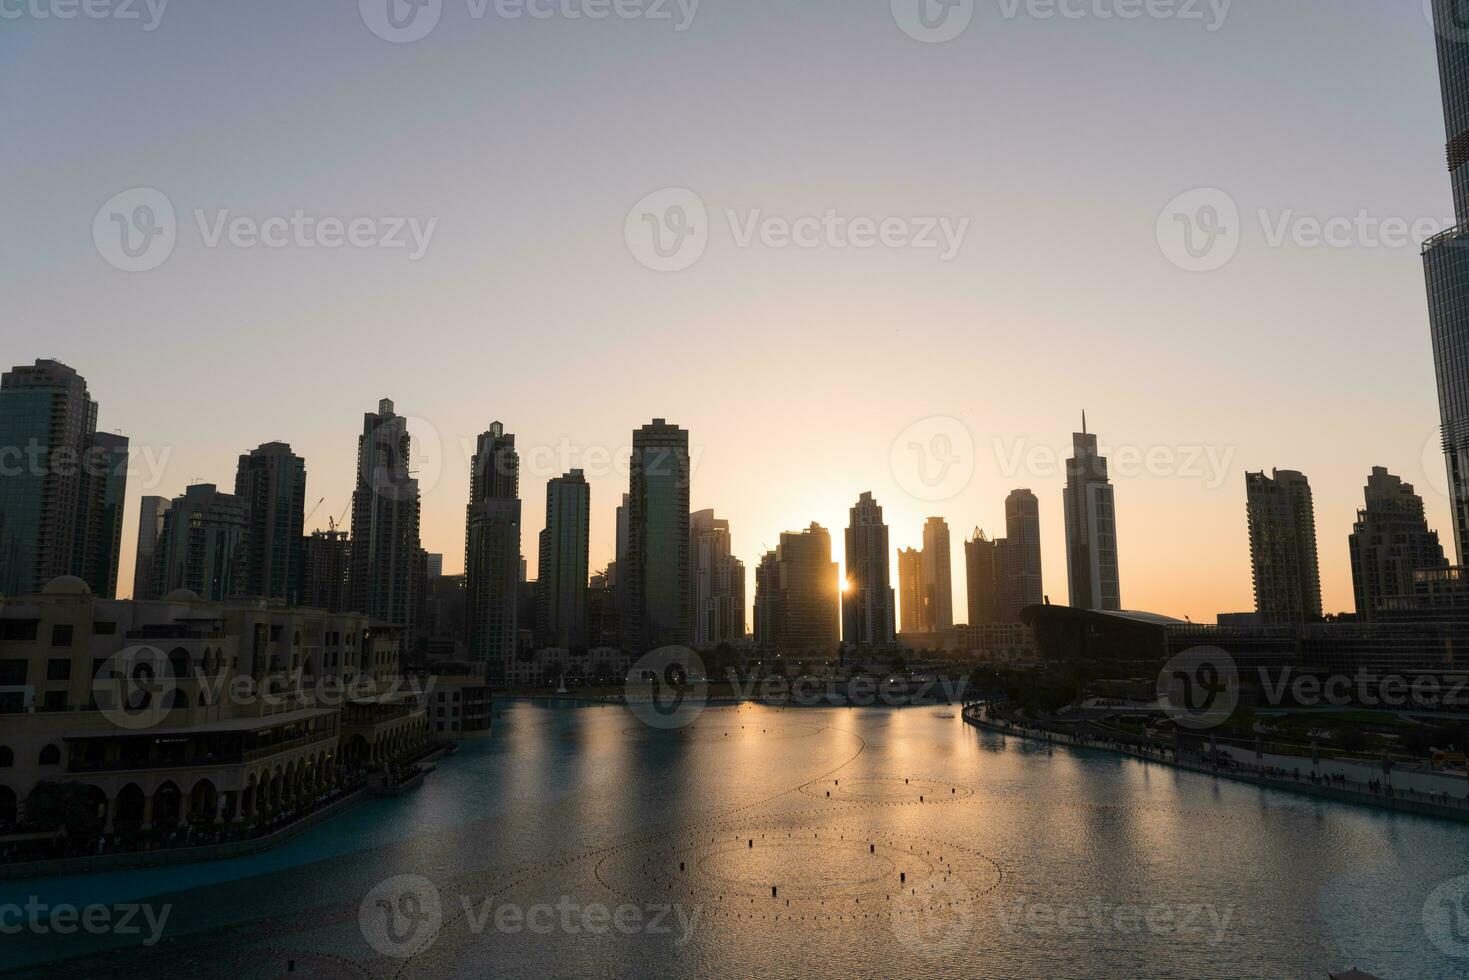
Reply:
x=182 y=595
x=66 y=585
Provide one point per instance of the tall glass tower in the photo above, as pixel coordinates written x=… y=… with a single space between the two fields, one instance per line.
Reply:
x=1446 y=266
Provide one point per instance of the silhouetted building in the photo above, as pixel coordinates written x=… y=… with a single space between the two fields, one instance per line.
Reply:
x=868 y=616
x=767 y=600
x=150 y=526
x=61 y=504
x=1282 y=520
x=913 y=605
x=1091 y=527
x=806 y=591
x=271 y=481
x=104 y=488
x=561 y=610
x=204 y=545
x=601 y=613
x=938 y=576
x=982 y=577
x=1389 y=543
x=657 y=571
x=385 y=545
x=326 y=562
x=716 y=581
x=1020 y=556
x=492 y=562
x=1446 y=269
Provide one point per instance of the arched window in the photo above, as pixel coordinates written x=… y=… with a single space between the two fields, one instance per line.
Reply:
x=50 y=756
x=7 y=757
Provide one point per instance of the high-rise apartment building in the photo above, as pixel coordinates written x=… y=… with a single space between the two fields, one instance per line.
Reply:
x=805 y=590
x=492 y=562
x=1389 y=543
x=912 y=602
x=716 y=581
x=1020 y=556
x=561 y=583
x=326 y=560
x=1091 y=527
x=385 y=543
x=150 y=526
x=1446 y=268
x=204 y=545
x=61 y=508
x=1282 y=521
x=982 y=578
x=271 y=481
x=938 y=576
x=656 y=578
x=868 y=617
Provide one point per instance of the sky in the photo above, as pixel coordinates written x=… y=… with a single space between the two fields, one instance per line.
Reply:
x=1028 y=220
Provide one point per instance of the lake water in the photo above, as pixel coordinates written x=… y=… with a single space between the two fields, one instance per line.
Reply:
x=579 y=841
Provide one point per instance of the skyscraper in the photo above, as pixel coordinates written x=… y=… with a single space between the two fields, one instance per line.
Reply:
x=1446 y=268
x=938 y=576
x=913 y=605
x=1389 y=542
x=385 y=545
x=204 y=544
x=1282 y=520
x=1091 y=527
x=868 y=618
x=271 y=481
x=61 y=507
x=492 y=562
x=716 y=581
x=767 y=600
x=150 y=526
x=1020 y=555
x=807 y=607
x=561 y=584
x=982 y=572
x=326 y=560
x=104 y=495
x=657 y=574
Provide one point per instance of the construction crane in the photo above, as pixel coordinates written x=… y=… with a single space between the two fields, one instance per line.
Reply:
x=313 y=511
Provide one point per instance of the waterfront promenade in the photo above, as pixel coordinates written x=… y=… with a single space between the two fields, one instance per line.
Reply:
x=1334 y=786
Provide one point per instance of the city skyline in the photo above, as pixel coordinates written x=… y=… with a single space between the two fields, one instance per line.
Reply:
x=823 y=322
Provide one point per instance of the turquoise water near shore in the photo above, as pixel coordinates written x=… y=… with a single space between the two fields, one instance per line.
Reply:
x=899 y=840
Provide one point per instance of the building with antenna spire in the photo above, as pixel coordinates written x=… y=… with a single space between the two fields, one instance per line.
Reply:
x=1091 y=527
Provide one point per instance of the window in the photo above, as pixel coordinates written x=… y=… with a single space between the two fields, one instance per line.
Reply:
x=54 y=701
x=61 y=635
x=18 y=630
x=104 y=629
x=12 y=673
x=7 y=757
x=58 y=669
x=50 y=756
